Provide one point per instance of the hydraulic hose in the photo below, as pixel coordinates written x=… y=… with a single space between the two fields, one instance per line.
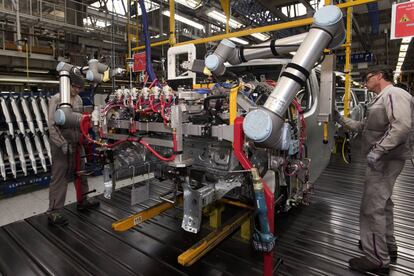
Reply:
x=84 y=127
x=150 y=69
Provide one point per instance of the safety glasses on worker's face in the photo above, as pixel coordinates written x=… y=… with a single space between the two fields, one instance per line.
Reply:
x=369 y=77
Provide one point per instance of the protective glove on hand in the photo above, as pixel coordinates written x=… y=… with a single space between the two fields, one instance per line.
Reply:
x=373 y=158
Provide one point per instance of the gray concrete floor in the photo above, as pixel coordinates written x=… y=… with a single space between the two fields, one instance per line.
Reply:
x=26 y=205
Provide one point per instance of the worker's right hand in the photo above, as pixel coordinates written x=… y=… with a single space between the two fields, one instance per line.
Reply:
x=373 y=158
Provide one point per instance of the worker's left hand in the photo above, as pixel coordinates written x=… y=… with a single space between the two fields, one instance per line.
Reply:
x=373 y=158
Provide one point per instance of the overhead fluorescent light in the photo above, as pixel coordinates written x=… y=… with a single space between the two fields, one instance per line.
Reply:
x=185 y=20
x=403 y=48
x=219 y=16
x=406 y=40
x=239 y=40
x=402 y=54
x=118 y=8
x=97 y=24
x=157 y=36
x=261 y=36
x=193 y=4
x=399 y=63
x=401 y=59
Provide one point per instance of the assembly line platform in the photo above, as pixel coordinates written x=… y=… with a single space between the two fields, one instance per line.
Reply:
x=318 y=239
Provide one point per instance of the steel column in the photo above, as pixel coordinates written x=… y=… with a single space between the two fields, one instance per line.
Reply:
x=172 y=40
x=347 y=68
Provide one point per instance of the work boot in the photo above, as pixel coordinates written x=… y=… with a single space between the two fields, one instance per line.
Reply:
x=362 y=264
x=392 y=250
x=56 y=218
x=87 y=203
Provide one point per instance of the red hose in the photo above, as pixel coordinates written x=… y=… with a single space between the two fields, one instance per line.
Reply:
x=85 y=125
x=110 y=106
x=162 y=158
x=153 y=83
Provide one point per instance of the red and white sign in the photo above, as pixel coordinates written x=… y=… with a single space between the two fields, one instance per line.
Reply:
x=139 y=62
x=402 y=20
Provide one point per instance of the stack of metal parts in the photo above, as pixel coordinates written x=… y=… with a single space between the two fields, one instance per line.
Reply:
x=25 y=156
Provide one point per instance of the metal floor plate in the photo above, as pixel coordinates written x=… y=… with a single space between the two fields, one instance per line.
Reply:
x=317 y=239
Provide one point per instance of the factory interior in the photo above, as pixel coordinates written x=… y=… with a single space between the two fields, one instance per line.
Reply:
x=206 y=137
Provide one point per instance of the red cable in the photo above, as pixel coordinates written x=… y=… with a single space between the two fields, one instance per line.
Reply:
x=271 y=83
x=153 y=83
x=146 y=79
x=84 y=127
x=171 y=158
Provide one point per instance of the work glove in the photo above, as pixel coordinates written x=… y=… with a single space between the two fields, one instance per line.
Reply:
x=372 y=158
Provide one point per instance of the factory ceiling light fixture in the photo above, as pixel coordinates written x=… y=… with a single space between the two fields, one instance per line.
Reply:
x=234 y=24
x=239 y=40
x=219 y=16
x=184 y=20
x=193 y=4
x=261 y=36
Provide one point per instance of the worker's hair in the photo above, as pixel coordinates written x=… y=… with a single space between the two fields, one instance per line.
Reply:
x=76 y=79
x=386 y=72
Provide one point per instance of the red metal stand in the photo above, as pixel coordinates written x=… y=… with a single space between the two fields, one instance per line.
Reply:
x=269 y=197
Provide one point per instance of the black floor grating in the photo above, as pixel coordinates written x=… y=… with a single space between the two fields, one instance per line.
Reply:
x=318 y=239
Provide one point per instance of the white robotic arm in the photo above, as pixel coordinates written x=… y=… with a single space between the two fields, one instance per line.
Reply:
x=264 y=125
x=226 y=51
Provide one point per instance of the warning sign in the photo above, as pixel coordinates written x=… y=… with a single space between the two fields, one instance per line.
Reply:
x=402 y=20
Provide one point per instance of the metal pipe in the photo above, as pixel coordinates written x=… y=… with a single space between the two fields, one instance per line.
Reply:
x=270 y=28
x=137 y=27
x=233 y=104
x=128 y=29
x=172 y=40
x=25 y=80
x=18 y=28
x=155 y=44
x=347 y=68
